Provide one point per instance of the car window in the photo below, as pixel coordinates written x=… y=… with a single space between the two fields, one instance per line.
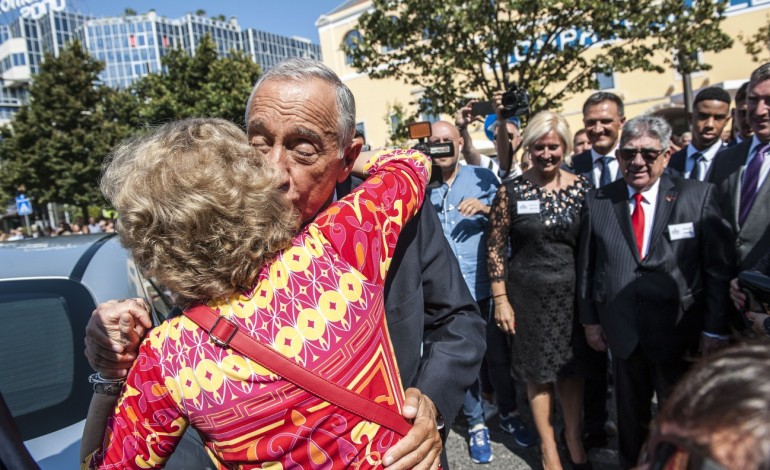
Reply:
x=43 y=371
x=36 y=343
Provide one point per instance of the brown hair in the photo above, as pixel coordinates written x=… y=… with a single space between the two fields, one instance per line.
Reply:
x=198 y=208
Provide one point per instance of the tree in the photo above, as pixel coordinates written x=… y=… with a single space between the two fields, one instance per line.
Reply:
x=56 y=144
x=396 y=119
x=129 y=12
x=455 y=48
x=758 y=43
x=202 y=85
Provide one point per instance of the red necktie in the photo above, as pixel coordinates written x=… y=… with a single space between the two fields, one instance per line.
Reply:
x=637 y=221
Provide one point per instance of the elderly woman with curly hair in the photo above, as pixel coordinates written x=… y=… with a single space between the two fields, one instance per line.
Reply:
x=536 y=217
x=208 y=219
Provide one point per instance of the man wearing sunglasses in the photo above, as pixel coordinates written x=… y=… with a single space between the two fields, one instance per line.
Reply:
x=654 y=263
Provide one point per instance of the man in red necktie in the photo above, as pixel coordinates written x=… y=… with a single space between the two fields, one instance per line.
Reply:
x=654 y=263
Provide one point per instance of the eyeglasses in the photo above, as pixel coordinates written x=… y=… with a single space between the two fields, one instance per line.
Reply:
x=649 y=155
x=669 y=452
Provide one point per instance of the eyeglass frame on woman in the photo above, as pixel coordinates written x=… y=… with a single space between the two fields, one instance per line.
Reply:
x=649 y=155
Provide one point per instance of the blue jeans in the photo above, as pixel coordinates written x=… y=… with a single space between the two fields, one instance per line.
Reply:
x=472 y=408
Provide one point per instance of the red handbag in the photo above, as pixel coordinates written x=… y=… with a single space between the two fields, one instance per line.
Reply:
x=224 y=332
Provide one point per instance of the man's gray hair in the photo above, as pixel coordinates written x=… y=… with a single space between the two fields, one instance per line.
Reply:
x=302 y=69
x=760 y=74
x=650 y=126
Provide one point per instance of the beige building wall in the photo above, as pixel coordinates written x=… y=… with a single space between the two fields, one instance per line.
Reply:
x=642 y=92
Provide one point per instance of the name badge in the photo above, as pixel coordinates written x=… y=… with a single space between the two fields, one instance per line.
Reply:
x=681 y=231
x=528 y=207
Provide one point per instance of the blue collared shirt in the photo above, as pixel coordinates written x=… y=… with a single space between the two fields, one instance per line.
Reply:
x=467 y=235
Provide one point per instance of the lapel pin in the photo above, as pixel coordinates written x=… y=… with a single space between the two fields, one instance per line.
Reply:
x=670 y=197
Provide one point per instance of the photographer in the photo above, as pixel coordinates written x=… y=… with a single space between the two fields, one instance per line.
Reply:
x=507 y=105
x=760 y=321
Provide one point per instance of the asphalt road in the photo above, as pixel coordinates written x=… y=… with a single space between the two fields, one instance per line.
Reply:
x=508 y=455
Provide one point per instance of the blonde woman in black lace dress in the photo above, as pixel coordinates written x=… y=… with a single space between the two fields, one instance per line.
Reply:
x=537 y=216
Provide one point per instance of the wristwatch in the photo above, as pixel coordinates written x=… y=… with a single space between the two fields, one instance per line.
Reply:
x=109 y=387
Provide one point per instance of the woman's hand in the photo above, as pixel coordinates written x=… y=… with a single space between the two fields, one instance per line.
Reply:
x=504 y=316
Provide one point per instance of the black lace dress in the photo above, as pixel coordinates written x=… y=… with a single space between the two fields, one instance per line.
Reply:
x=539 y=242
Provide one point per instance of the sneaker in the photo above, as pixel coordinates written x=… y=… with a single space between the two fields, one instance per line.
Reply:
x=512 y=424
x=480 y=447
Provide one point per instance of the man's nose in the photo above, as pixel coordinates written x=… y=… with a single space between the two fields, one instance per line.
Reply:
x=762 y=108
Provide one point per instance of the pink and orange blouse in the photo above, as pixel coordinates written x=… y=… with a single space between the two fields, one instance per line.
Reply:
x=320 y=302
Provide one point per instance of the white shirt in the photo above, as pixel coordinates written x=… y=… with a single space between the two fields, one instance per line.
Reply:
x=649 y=201
x=708 y=159
x=597 y=171
x=765 y=165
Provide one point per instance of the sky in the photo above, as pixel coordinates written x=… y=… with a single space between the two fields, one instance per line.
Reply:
x=286 y=17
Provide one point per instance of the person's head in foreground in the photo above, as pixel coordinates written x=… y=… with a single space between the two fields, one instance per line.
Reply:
x=718 y=416
x=198 y=209
x=644 y=151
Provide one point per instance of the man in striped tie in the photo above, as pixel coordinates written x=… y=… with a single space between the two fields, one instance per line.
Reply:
x=710 y=115
x=654 y=262
x=740 y=174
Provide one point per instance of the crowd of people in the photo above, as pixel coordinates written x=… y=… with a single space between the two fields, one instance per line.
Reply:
x=568 y=259
x=42 y=230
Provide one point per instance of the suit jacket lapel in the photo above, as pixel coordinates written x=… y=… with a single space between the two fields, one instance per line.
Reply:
x=618 y=194
x=759 y=205
x=667 y=193
x=734 y=185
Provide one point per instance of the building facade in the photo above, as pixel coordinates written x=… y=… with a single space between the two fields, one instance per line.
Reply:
x=131 y=46
x=642 y=92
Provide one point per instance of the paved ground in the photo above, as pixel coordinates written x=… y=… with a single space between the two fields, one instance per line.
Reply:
x=507 y=455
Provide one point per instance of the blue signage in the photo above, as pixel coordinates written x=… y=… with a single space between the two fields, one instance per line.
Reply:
x=23 y=205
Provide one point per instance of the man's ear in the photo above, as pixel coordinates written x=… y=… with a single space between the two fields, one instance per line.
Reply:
x=349 y=157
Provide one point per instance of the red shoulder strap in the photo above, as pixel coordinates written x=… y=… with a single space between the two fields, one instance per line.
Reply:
x=225 y=332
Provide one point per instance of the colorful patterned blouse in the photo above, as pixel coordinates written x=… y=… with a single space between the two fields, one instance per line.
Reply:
x=321 y=303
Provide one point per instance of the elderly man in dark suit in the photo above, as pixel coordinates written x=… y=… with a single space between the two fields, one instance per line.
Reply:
x=710 y=115
x=434 y=324
x=654 y=264
x=740 y=175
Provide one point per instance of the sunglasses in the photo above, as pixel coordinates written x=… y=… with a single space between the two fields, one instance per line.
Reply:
x=668 y=452
x=649 y=155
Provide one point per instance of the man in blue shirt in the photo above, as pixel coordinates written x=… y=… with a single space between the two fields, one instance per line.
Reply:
x=463 y=203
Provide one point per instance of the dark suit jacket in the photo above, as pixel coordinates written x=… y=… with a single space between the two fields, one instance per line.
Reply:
x=677 y=165
x=583 y=165
x=753 y=239
x=435 y=327
x=679 y=290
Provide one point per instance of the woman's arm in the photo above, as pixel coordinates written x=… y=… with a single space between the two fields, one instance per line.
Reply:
x=364 y=225
x=98 y=412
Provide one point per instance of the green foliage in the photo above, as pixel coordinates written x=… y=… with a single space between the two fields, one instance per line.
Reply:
x=203 y=85
x=758 y=43
x=459 y=47
x=57 y=143
x=55 y=146
x=129 y=12
x=396 y=119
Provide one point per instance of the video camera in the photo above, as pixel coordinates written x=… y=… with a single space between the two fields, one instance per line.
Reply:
x=515 y=103
x=420 y=131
